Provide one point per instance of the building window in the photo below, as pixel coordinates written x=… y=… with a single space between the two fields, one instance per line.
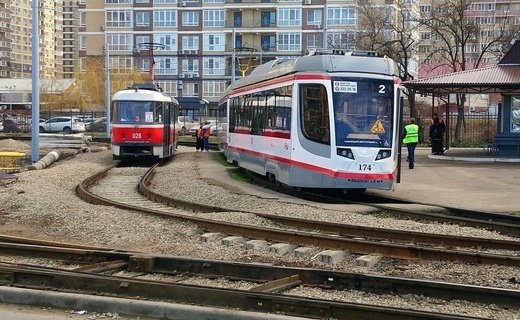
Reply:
x=190 y=89
x=313 y=41
x=165 y=1
x=190 y=42
x=515 y=114
x=142 y=19
x=120 y=64
x=165 y=18
x=82 y=42
x=341 y=16
x=289 y=41
x=214 y=42
x=165 y=65
x=190 y=18
x=112 y=1
x=190 y=66
x=289 y=17
x=267 y=19
x=314 y=17
x=213 y=89
x=214 y=66
x=169 y=87
x=140 y=40
x=118 y=18
x=168 y=40
x=214 y=18
x=213 y=1
x=119 y=41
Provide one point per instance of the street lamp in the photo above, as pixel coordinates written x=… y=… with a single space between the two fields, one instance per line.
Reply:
x=11 y=88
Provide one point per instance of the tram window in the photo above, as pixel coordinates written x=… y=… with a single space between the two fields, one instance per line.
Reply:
x=315 y=113
x=158 y=113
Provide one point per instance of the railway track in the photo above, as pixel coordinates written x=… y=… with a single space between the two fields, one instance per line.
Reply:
x=267 y=283
x=503 y=223
x=338 y=237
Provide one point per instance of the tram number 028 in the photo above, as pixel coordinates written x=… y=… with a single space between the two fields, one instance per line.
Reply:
x=364 y=167
x=136 y=135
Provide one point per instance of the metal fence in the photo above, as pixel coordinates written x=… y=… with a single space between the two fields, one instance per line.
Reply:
x=477 y=130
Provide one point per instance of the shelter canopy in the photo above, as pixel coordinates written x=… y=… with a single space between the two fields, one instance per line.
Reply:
x=503 y=78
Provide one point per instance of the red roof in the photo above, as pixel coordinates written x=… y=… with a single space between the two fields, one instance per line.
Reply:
x=502 y=78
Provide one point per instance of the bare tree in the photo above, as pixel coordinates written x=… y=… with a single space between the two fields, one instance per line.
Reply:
x=390 y=30
x=92 y=82
x=460 y=40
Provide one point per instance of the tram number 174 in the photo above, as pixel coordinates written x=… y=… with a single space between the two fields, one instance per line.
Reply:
x=364 y=167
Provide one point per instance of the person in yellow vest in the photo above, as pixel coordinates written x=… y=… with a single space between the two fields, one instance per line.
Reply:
x=411 y=139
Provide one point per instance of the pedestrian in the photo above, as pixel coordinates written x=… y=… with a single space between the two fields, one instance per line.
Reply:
x=411 y=139
x=206 y=131
x=198 y=139
x=437 y=129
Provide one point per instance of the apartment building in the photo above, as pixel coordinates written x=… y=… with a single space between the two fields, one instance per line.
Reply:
x=16 y=38
x=193 y=40
x=490 y=19
x=70 y=38
x=5 y=38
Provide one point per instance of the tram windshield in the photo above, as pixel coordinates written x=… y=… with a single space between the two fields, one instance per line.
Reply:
x=137 y=111
x=363 y=112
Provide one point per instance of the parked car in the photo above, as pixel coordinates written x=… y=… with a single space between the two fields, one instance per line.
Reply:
x=63 y=124
x=185 y=124
x=10 y=125
x=98 y=125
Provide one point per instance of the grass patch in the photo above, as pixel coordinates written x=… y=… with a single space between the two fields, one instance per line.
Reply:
x=516 y=214
x=221 y=158
x=383 y=214
x=239 y=175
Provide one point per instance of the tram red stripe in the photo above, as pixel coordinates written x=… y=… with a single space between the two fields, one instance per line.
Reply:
x=318 y=169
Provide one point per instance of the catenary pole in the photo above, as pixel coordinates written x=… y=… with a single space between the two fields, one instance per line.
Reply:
x=233 y=39
x=107 y=90
x=35 y=109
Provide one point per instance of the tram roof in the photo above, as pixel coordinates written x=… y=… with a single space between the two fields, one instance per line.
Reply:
x=142 y=95
x=319 y=63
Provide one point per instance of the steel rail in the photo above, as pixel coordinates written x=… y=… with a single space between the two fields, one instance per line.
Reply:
x=341 y=229
x=263 y=273
x=505 y=224
x=56 y=279
x=393 y=250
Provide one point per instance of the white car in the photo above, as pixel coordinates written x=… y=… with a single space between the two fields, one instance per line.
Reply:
x=185 y=124
x=63 y=124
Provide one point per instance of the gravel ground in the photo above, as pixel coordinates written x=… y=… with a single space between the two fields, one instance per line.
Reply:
x=43 y=204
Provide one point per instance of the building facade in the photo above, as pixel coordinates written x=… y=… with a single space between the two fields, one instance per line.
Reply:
x=16 y=38
x=194 y=41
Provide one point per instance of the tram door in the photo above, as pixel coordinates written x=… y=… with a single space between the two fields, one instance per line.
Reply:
x=166 y=125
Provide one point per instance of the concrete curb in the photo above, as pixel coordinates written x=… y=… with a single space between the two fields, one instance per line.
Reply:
x=129 y=307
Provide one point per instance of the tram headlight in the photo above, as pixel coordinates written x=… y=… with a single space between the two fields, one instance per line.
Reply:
x=383 y=154
x=347 y=153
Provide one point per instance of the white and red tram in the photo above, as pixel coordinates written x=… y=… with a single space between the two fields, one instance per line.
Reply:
x=325 y=120
x=143 y=123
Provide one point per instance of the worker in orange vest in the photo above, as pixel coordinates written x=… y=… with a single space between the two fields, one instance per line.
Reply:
x=198 y=138
x=206 y=131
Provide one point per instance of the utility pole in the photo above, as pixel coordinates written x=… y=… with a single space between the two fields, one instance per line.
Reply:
x=107 y=88
x=35 y=110
x=233 y=56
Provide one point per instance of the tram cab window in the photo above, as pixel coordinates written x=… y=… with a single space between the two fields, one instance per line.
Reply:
x=315 y=113
x=363 y=112
x=134 y=111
